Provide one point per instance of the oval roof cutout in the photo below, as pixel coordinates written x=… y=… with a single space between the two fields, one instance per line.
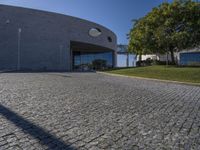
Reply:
x=94 y=32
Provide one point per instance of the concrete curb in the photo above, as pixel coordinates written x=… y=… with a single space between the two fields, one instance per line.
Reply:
x=150 y=79
x=5 y=71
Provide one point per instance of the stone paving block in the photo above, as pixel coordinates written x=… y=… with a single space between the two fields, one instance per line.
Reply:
x=92 y=111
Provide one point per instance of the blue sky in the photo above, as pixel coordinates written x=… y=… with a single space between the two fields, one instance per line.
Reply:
x=114 y=14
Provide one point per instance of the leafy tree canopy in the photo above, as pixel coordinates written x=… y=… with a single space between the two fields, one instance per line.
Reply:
x=169 y=27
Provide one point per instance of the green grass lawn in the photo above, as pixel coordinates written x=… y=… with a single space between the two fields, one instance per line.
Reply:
x=182 y=74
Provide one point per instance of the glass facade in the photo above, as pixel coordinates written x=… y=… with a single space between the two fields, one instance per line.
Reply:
x=190 y=58
x=85 y=61
x=122 y=48
x=126 y=60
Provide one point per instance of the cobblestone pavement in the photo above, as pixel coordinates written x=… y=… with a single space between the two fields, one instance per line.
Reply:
x=96 y=111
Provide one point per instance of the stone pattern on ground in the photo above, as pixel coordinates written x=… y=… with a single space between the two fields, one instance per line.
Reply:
x=95 y=111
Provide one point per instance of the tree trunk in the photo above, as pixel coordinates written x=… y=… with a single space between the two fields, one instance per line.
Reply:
x=140 y=59
x=172 y=57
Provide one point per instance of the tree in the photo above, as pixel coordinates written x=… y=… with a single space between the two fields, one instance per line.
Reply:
x=138 y=39
x=169 y=27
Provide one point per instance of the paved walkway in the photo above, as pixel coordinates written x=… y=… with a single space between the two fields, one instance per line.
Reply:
x=75 y=111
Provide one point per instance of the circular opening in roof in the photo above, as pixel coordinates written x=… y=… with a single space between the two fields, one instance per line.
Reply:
x=95 y=32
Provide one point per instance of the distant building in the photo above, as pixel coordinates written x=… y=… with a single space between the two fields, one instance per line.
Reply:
x=148 y=56
x=190 y=57
x=124 y=58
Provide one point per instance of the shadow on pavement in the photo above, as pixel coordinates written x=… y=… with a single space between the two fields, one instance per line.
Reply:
x=45 y=138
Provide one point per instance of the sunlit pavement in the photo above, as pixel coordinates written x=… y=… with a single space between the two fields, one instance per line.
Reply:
x=96 y=111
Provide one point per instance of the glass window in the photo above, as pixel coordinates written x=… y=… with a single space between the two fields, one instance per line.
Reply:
x=92 y=60
x=109 y=39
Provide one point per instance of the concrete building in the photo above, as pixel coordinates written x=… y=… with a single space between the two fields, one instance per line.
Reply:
x=43 y=41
